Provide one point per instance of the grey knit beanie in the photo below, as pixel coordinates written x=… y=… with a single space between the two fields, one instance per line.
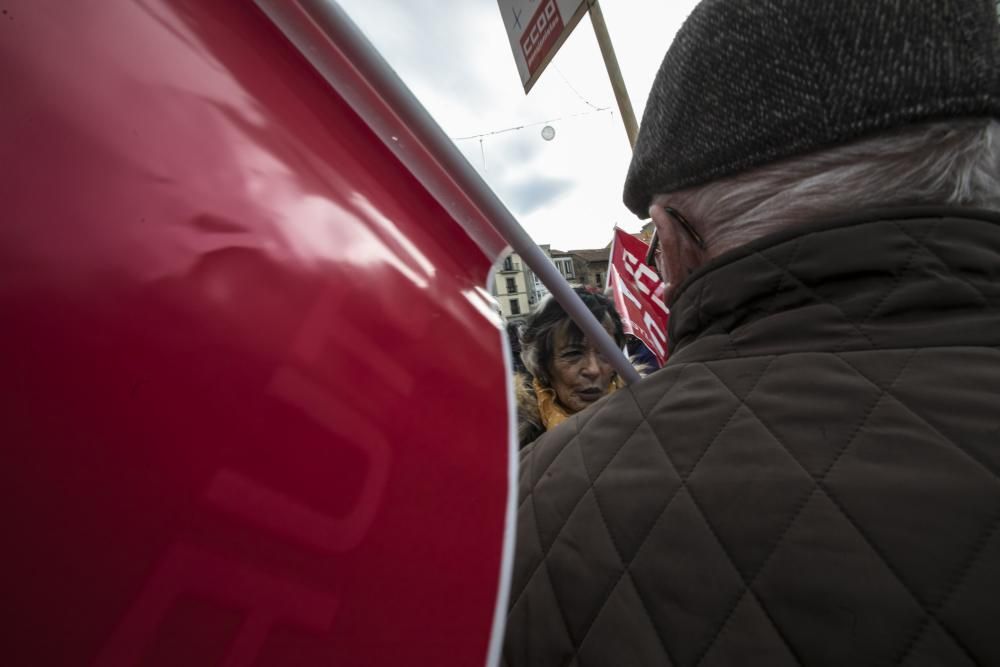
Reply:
x=747 y=82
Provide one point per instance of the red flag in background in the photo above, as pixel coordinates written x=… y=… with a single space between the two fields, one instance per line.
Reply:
x=638 y=294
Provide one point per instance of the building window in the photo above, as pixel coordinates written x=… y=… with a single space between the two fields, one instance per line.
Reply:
x=597 y=279
x=565 y=266
x=515 y=307
x=508 y=264
x=511 y=286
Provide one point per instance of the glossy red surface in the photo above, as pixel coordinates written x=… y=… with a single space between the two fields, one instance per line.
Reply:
x=254 y=394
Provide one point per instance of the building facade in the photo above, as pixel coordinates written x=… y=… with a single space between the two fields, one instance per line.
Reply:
x=591 y=266
x=514 y=288
x=517 y=289
x=564 y=262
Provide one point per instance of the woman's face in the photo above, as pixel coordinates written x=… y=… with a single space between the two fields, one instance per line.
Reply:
x=580 y=374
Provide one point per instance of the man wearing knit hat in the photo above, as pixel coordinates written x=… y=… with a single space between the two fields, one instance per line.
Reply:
x=814 y=477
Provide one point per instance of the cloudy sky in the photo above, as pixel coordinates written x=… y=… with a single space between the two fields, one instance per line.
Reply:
x=455 y=56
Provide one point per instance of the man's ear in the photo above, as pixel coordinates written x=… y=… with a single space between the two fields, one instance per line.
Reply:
x=681 y=253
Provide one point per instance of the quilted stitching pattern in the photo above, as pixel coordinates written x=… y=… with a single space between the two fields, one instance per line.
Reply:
x=698 y=518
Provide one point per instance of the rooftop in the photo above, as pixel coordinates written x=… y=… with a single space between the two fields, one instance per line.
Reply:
x=592 y=255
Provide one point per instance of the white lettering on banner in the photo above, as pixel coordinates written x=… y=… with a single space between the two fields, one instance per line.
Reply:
x=638 y=294
x=643 y=276
x=659 y=338
x=540 y=29
x=657 y=299
x=626 y=292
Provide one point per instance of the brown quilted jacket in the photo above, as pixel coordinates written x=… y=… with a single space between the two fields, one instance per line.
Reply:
x=813 y=479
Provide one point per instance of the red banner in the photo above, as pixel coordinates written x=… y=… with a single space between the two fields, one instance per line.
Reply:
x=544 y=30
x=638 y=294
x=257 y=404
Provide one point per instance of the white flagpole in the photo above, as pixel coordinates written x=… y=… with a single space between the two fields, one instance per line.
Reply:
x=334 y=24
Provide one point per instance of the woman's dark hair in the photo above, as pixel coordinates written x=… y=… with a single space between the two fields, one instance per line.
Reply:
x=539 y=333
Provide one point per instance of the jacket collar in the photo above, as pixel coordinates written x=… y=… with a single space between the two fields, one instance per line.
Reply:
x=888 y=278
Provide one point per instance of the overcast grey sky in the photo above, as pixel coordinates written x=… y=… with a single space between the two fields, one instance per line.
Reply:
x=455 y=56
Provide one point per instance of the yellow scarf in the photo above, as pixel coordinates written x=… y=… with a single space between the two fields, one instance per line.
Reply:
x=552 y=414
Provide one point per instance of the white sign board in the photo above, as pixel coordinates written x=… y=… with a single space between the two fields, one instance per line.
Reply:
x=536 y=29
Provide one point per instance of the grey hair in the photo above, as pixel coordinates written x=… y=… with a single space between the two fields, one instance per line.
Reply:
x=956 y=162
